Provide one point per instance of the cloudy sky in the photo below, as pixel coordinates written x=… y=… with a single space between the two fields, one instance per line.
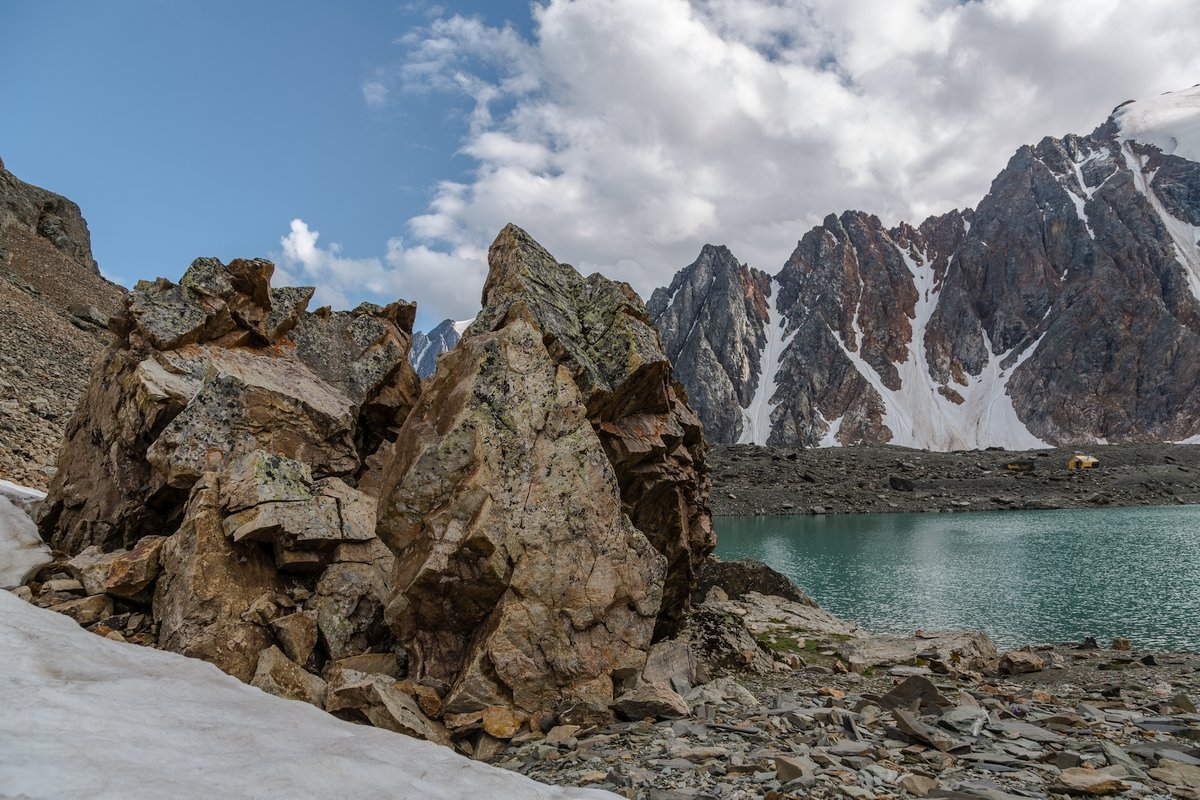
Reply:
x=377 y=153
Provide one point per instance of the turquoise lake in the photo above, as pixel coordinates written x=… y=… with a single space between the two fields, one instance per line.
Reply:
x=1024 y=577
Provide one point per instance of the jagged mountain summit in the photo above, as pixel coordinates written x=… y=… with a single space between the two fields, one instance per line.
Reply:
x=1063 y=309
x=426 y=347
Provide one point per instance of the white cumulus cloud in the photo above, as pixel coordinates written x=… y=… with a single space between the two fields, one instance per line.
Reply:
x=447 y=278
x=624 y=134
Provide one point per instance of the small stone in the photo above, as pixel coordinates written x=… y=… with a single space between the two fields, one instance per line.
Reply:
x=278 y=675
x=1176 y=773
x=917 y=785
x=62 y=585
x=502 y=722
x=1122 y=644
x=789 y=768
x=86 y=610
x=1079 y=780
x=297 y=633
x=1019 y=662
x=372 y=664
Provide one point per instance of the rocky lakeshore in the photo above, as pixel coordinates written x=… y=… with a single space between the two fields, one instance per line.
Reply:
x=797 y=703
x=754 y=480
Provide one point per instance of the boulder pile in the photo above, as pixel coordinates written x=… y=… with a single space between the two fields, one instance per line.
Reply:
x=272 y=490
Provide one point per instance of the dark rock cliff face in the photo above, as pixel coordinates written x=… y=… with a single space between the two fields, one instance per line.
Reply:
x=1063 y=309
x=713 y=320
x=426 y=347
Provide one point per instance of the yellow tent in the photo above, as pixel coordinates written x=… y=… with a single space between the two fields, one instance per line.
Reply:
x=1083 y=462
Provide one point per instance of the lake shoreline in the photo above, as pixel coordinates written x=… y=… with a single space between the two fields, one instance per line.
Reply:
x=752 y=480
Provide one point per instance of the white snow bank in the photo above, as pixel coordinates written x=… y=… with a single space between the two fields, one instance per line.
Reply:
x=87 y=717
x=22 y=497
x=1170 y=122
x=22 y=550
x=462 y=325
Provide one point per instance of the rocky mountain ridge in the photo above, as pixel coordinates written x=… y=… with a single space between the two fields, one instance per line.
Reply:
x=1063 y=309
x=54 y=308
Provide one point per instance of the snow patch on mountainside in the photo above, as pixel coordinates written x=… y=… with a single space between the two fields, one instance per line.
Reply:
x=1170 y=122
x=756 y=417
x=1184 y=235
x=88 y=717
x=830 y=438
x=462 y=325
x=918 y=415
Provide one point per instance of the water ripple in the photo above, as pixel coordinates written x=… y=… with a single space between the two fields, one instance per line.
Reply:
x=1030 y=576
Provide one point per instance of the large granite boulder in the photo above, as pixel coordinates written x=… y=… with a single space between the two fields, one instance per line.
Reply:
x=547 y=497
x=601 y=332
x=520 y=579
x=211 y=369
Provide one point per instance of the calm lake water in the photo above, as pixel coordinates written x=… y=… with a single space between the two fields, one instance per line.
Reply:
x=1024 y=577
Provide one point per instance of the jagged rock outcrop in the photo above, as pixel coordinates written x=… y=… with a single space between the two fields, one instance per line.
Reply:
x=236 y=424
x=543 y=507
x=521 y=580
x=54 y=309
x=208 y=371
x=427 y=347
x=713 y=321
x=547 y=502
x=600 y=330
x=1065 y=308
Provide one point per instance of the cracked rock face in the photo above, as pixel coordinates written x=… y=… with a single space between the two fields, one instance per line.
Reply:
x=713 y=321
x=602 y=333
x=547 y=501
x=209 y=370
x=520 y=580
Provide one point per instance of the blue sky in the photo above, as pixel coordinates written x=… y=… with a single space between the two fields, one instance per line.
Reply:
x=374 y=149
x=186 y=128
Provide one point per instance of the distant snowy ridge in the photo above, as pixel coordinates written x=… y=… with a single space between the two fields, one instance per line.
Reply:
x=1170 y=122
x=1064 y=309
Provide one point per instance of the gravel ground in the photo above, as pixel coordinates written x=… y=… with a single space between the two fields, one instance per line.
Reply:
x=753 y=480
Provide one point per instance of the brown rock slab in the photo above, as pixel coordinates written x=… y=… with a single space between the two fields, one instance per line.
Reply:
x=207 y=585
x=349 y=604
x=279 y=675
x=86 y=610
x=914 y=690
x=297 y=634
x=377 y=699
x=1081 y=781
x=1176 y=773
x=650 y=700
x=1019 y=662
x=502 y=722
x=911 y=725
x=372 y=664
x=917 y=785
